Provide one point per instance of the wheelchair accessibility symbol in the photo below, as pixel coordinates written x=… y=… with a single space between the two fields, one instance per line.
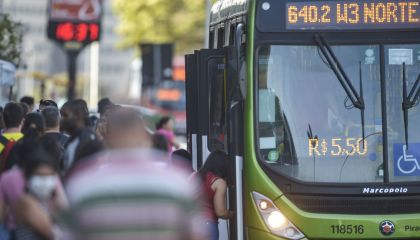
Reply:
x=407 y=160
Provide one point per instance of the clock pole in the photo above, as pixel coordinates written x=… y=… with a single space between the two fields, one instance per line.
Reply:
x=72 y=70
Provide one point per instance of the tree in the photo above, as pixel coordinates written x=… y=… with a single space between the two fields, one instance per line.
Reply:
x=161 y=21
x=11 y=35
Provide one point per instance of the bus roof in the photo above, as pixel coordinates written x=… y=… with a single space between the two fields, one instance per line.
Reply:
x=225 y=9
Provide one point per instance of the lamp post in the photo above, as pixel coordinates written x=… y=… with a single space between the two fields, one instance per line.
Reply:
x=94 y=74
x=207 y=24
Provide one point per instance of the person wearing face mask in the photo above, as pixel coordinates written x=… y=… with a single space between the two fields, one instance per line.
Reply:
x=44 y=196
x=12 y=181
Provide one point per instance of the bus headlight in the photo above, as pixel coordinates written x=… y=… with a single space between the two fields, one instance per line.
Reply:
x=274 y=218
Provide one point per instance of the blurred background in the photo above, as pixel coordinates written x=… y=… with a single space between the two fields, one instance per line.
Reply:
x=137 y=58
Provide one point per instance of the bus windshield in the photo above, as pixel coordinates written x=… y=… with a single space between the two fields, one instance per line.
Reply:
x=404 y=161
x=308 y=128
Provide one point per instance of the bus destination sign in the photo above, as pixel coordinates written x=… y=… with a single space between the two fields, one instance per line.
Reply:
x=352 y=15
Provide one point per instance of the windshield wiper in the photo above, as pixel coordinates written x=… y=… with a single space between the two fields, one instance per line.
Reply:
x=409 y=101
x=311 y=135
x=362 y=111
x=355 y=98
x=313 y=141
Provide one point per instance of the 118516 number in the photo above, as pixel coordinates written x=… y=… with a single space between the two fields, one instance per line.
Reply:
x=347 y=229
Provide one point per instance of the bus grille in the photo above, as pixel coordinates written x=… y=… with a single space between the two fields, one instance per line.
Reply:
x=356 y=205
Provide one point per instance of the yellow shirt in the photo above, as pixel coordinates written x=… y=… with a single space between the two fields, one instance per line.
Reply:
x=15 y=136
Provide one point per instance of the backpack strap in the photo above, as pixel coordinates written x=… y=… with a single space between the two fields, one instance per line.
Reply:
x=8 y=145
x=4 y=141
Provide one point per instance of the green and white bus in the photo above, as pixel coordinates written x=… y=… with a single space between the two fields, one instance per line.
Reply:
x=317 y=105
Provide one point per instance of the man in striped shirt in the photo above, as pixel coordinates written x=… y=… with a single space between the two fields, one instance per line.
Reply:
x=133 y=194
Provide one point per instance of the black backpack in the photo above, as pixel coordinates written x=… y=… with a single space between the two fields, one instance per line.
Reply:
x=4 y=155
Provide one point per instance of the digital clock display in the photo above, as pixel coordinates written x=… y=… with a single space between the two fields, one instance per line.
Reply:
x=74 y=32
x=352 y=15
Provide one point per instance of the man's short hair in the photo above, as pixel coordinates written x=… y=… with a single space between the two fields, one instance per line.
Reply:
x=47 y=103
x=28 y=100
x=123 y=118
x=13 y=115
x=103 y=105
x=78 y=108
x=25 y=108
x=52 y=116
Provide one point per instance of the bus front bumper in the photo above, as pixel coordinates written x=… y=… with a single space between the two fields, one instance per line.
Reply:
x=256 y=234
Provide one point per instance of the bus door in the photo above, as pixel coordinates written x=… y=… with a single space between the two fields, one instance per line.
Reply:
x=234 y=141
x=206 y=109
x=205 y=114
x=191 y=88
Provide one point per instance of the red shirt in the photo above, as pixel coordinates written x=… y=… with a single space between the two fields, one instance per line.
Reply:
x=208 y=204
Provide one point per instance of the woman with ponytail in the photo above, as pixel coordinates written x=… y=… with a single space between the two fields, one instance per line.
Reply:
x=165 y=128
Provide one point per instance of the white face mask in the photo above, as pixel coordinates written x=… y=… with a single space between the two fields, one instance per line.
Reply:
x=42 y=186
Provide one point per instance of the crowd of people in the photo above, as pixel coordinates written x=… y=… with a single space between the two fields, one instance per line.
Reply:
x=68 y=175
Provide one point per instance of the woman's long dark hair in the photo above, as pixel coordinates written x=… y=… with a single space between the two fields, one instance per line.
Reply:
x=162 y=122
x=33 y=128
x=37 y=152
x=160 y=142
x=79 y=109
x=2 y=125
x=33 y=121
x=217 y=163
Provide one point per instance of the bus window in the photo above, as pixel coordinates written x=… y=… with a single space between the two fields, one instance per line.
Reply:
x=220 y=37
x=232 y=34
x=274 y=132
x=217 y=106
x=314 y=133
x=402 y=58
x=211 y=39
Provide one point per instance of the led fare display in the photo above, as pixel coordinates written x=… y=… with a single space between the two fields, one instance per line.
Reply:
x=338 y=147
x=336 y=15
